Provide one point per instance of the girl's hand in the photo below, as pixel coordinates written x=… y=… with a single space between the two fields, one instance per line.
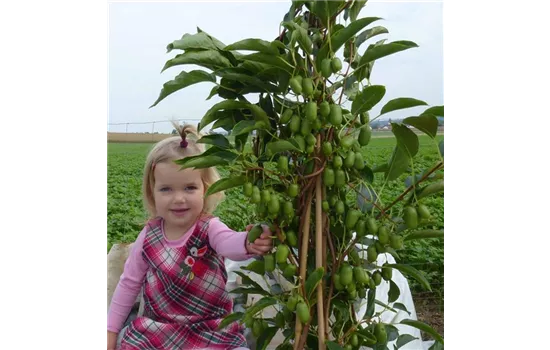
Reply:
x=263 y=244
x=111 y=340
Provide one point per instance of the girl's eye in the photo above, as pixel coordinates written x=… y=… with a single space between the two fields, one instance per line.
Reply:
x=164 y=189
x=191 y=188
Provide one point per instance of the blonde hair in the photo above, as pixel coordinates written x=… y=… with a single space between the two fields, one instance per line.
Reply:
x=170 y=149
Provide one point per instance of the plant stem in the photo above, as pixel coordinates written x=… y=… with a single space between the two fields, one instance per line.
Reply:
x=346 y=75
x=348 y=4
x=316 y=172
x=424 y=177
x=303 y=261
x=334 y=267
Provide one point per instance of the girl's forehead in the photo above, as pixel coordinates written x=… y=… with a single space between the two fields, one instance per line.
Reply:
x=173 y=171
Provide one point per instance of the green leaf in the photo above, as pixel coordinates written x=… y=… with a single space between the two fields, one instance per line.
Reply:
x=260 y=305
x=341 y=37
x=370 y=303
x=423 y=234
x=394 y=292
x=332 y=345
x=441 y=148
x=216 y=42
x=272 y=60
x=207 y=58
x=367 y=99
x=386 y=306
x=253 y=45
x=224 y=184
x=407 y=140
x=283 y=78
x=265 y=338
x=234 y=73
x=411 y=271
x=215 y=139
x=356 y=8
x=257 y=68
x=423 y=327
x=232 y=57
x=266 y=105
x=220 y=152
x=324 y=9
x=281 y=146
x=401 y=103
x=367 y=335
x=232 y=317
x=289 y=16
x=435 y=111
x=251 y=290
x=240 y=142
x=313 y=280
x=182 y=80
x=402 y=307
x=225 y=123
x=399 y=163
x=213 y=92
x=367 y=241
x=247 y=281
x=392 y=332
x=364 y=71
x=367 y=174
x=351 y=88
x=392 y=251
x=201 y=161
x=436 y=346
x=255 y=266
x=366 y=197
x=369 y=33
x=211 y=116
x=343 y=308
x=199 y=41
x=276 y=289
x=259 y=114
x=377 y=52
x=246 y=126
x=425 y=123
x=304 y=41
x=404 y=339
x=381 y=168
x=430 y=189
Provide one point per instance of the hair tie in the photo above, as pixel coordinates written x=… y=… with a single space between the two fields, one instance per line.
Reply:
x=183 y=143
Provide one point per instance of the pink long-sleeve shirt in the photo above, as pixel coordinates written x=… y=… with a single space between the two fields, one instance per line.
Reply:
x=226 y=242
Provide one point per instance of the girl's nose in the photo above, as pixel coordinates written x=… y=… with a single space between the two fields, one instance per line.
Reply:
x=180 y=196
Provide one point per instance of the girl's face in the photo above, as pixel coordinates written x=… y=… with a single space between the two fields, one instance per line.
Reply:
x=179 y=195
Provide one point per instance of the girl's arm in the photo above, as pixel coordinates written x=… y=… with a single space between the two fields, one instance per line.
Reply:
x=128 y=287
x=226 y=242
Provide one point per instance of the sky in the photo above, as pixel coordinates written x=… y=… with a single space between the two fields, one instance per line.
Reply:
x=140 y=32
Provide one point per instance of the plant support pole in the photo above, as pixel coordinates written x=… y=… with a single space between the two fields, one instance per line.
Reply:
x=319 y=260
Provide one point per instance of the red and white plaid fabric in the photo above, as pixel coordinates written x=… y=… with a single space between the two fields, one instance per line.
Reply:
x=185 y=297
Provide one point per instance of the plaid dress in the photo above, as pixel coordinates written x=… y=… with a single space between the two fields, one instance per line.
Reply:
x=184 y=296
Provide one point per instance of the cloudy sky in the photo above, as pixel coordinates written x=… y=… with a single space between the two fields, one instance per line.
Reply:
x=139 y=33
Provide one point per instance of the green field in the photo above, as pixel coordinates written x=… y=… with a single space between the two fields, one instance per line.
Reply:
x=126 y=216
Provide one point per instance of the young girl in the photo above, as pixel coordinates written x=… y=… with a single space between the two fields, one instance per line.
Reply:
x=178 y=259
